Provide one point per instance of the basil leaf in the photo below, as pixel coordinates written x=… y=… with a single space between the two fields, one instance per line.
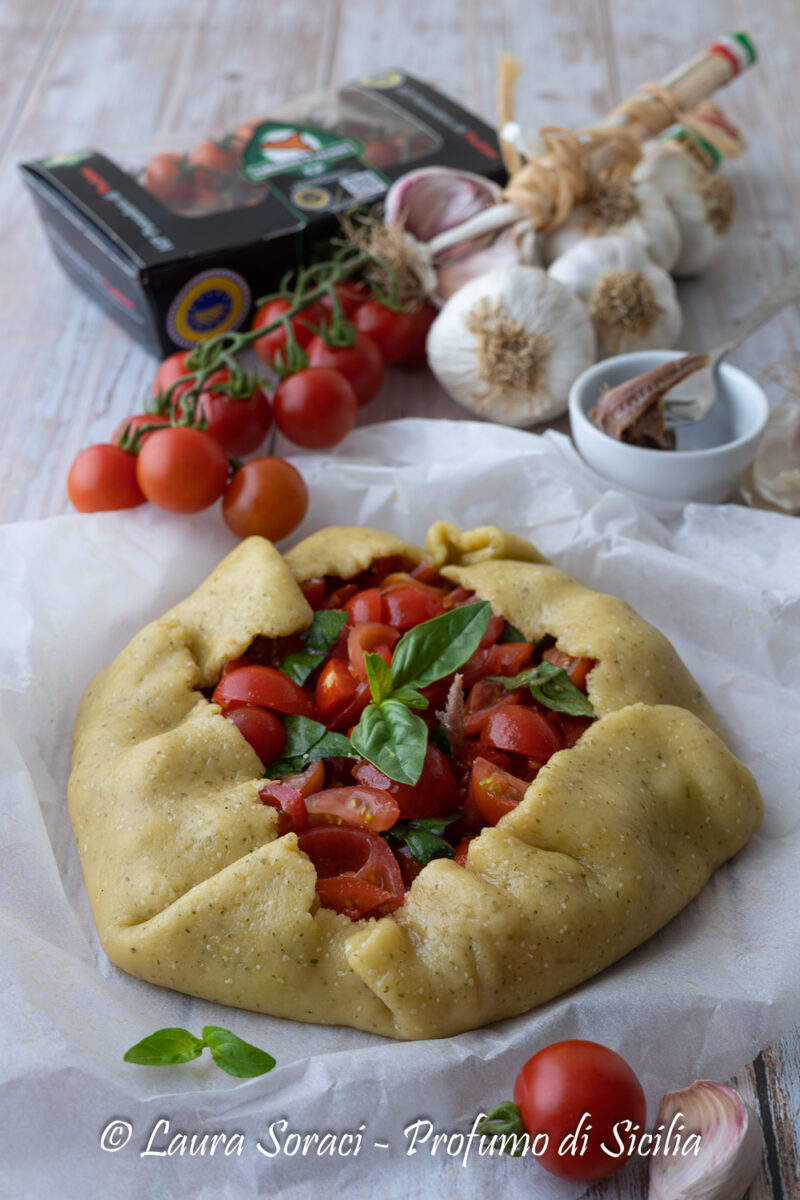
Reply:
x=423 y=837
x=551 y=686
x=307 y=740
x=164 y=1048
x=511 y=634
x=393 y=739
x=440 y=646
x=318 y=639
x=425 y=847
x=379 y=677
x=410 y=696
x=235 y=1056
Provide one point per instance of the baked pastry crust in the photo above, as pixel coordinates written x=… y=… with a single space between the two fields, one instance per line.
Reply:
x=192 y=888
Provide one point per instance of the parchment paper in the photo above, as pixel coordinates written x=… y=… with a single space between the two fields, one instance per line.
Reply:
x=697 y=1000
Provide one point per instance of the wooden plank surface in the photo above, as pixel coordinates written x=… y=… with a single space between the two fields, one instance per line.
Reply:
x=115 y=73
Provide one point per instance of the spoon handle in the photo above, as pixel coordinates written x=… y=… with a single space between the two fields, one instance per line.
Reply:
x=787 y=291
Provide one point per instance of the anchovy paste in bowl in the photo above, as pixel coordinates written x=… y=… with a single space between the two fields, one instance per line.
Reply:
x=408 y=790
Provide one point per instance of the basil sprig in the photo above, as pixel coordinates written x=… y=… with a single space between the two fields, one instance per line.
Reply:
x=551 y=686
x=423 y=836
x=318 y=639
x=307 y=740
x=169 y=1047
x=389 y=734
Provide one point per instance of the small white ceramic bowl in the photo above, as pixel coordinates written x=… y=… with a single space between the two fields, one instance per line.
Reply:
x=710 y=454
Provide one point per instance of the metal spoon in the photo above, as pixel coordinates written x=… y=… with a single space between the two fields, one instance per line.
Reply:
x=684 y=406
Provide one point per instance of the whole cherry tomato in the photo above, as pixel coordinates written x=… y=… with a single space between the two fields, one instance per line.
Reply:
x=262 y=729
x=268 y=497
x=560 y=1084
x=422 y=317
x=239 y=423
x=213 y=158
x=361 y=363
x=181 y=469
x=271 y=347
x=170 y=370
x=128 y=426
x=102 y=478
x=166 y=177
x=392 y=332
x=349 y=295
x=315 y=408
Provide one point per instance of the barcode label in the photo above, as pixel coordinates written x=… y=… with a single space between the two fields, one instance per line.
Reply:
x=363 y=185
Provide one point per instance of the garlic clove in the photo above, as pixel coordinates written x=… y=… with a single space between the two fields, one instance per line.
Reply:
x=723 y=1162
x=476 y=257
x=632 y=302
x=432 y=199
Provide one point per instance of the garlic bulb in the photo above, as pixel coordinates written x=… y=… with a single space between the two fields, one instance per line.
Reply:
x=724 y=1160
x=703 y=203
x=509 y=344
x=618 y=206
x=450 y=226
x=774 y=475
x=632 y=302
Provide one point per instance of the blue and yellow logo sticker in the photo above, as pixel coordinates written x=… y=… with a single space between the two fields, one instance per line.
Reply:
x=210 y=303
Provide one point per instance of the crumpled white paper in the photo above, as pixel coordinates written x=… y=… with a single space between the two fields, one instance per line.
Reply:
x=697 y=1000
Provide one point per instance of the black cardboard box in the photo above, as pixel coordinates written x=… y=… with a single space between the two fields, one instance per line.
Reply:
x=176 y=250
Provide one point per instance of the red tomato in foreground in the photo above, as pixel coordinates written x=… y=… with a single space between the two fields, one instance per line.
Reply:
x=182 y=469
x=562 y=1082
x=434 y=795
x=268 y=497
x=265 y=687
x=361 y=364
x=392 y=332
x=261 y=729
x=103 y=478
x=315 y=408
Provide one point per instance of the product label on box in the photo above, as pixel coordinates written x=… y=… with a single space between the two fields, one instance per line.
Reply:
x=210 y=303
x=293 y=150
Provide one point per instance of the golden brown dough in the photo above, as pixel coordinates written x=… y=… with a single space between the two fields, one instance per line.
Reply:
x=192 y=889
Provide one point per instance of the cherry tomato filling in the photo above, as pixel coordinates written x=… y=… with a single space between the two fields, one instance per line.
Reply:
x=339 y=807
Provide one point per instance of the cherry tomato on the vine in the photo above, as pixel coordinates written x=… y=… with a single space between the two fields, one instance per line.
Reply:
x=392 y=332
x=167 y=178
x=181 y=469
x=239 y=423
x=169 y=371
x=361 y=363
x=128 y=426
x=272 y=345
x=562 y=1082
x=315 y=408
x=422 y=317
x=350 y=296
x=102 y=478
x=268 y=497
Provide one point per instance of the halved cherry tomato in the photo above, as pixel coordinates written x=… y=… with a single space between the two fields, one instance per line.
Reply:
x=309 y=781
x=493 y=630
x=369 y=638
x=410 y=867
x=576 y=668
x=495 y=791
x=233 y=664
x=434 y=795
x=494 y=696
x=368 y=807
x=408 y=604
x=522 y=731
x=313 y=590
x=364 y=607
x=354 y=897
x=506 y=658
x=425 y=573
x=339 y=698
x=345 y=851
x=290 y=804
x=263 y=686
x=462 y=850
x=573 y=727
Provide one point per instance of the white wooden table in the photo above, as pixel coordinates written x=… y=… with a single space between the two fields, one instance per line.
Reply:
x=110 y=72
